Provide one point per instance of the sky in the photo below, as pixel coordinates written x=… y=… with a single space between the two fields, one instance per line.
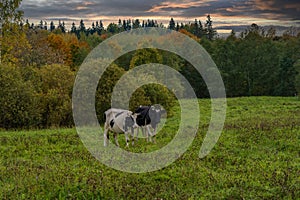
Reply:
x=226 y=15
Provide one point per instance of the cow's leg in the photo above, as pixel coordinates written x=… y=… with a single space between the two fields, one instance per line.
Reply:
x=154 y=135
x=143 y=131
x=106 y=135
x=135 y=135
x=116 y=139
x=149 y=134
x=132 y=135
x=127 y=139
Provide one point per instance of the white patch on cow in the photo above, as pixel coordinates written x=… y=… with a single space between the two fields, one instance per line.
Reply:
x=118 y=116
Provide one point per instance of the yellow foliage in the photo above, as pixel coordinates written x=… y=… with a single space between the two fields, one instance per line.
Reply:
x=57 y=42
x=15 y=48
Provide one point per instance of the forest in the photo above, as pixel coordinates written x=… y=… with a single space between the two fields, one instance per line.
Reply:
x=39 y=64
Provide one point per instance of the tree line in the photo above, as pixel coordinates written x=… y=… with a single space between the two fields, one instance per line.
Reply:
x=196 y=28
x=39 y=65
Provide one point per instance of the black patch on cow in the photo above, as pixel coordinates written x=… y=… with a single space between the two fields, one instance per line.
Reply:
x=143 y=117
x=112 y=123
x=118 y=114
x=129 y=122
x=148 y=115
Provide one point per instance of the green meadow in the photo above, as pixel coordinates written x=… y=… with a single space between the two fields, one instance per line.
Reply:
x=256 y=157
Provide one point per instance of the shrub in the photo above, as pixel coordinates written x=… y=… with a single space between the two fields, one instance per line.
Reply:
x=18 y=100
x=56 y=83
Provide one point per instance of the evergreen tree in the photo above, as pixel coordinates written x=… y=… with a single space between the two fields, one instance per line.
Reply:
x=31 y=26
x=195 y=30
x=93 y=29
x=52 y=27
x=148 y=23
x=128 y=24
x=101 y=27
x=154 y=23
x=177 y=27
x=201 y=30
x=41 y=25
x=61 y=26
x=82 y=27
x=124 y=25
x=120 y=24
x=97 y=27
x=136 y=24
x=172 y=24
x=45 y=26
x=210 y=31
x=73 y=28
x=21 y=24
x=27 y=24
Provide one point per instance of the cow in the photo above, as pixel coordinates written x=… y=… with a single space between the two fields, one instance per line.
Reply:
x=119 y=121
x=148 y=116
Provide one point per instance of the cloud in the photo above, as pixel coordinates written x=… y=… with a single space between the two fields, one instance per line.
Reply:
x=82 y=9
x=287 y=10
x=259 y=8
x=167 y=5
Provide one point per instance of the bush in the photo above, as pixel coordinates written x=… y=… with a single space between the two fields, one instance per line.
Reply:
x=18 y=99
x=56 y=83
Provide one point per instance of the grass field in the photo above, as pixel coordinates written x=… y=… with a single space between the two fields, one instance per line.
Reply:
x=256 y=157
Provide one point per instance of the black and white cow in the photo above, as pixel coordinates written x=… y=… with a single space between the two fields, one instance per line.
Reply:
x=148 y=117
x=119 y=121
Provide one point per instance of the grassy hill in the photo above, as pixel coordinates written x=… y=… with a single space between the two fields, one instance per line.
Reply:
x=256 y=157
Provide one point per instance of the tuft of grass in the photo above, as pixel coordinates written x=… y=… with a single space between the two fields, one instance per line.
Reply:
x=256 y=157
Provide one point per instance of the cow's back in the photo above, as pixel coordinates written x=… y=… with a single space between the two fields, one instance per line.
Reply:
x=115 y=119
x=111 y=113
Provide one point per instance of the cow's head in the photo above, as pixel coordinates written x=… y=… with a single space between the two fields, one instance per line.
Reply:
x=155 y=115
x=130 y=121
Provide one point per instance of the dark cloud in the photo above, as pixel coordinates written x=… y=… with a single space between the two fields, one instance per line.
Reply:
x=253 y=8
x=74 y=9
x=82 y=9
x=275 y=9
x=288 y=8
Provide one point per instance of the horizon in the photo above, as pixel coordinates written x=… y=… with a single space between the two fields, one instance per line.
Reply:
x=222 y=30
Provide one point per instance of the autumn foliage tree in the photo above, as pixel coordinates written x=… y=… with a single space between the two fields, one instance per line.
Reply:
x=55 y=95
x=18 y=100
